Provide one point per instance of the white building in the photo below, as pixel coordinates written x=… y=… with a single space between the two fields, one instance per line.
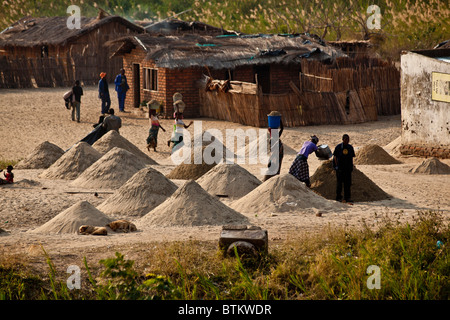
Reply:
x=425 y=103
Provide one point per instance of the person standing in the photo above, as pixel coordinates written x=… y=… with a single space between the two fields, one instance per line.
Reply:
x=152 y=139
x=343 y=164
x=77 y=92
x=103 y=93
x=275 y=159
x=300 y=167
x=121 y=88
x=112 y=122
x=177 y=134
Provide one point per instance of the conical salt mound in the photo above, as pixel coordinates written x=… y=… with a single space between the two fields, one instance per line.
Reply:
x=72 y=163
x=229 y=180
x=110 y=171
x=323 y=181
x=192 y=170
x=374 y=154
x=252 y=148
x=281 y=193
x=42 y=157
x=190 y=205
x=113 y=139
x=69 y=220
x=143 y=192
x=431 y=166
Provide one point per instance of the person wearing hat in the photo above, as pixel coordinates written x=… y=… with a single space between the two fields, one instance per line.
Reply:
x=8 y=175
x=300 y=167
x=103 y=93
x=152 y=139
x=121 y=88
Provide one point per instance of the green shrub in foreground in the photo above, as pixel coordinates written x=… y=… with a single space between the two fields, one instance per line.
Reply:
x=338 y=264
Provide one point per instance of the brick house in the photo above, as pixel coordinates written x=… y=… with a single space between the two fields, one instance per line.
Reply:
x=159 y=66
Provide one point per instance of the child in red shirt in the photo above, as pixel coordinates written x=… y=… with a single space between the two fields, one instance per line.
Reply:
x=8 y=175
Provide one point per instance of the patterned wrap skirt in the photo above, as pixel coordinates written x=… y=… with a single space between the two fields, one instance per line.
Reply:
x=300 y=168
x=152 y=138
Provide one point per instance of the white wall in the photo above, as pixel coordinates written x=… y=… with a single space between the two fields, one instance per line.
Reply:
x=424 y=121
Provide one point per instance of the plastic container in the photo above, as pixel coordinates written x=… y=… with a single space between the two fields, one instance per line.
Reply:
x=323 y=152
x=274 y=121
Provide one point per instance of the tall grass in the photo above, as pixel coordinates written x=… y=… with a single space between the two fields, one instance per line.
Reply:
x=332 y=265
x=405 y=24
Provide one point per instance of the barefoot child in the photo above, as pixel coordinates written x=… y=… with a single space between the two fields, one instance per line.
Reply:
x=152 y=139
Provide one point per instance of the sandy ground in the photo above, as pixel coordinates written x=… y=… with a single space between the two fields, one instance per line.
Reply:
x=32 y=116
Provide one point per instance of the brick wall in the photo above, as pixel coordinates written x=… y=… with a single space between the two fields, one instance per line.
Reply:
x=170 y=81
x=425 y=151
x=184 y=81
x=281 y=75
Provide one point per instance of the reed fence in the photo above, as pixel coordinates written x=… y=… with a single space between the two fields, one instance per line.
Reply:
x=22 y=72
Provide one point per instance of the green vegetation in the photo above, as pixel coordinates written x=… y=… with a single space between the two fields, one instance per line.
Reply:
x=5 y=163
x=413 y=265
x=405 y=24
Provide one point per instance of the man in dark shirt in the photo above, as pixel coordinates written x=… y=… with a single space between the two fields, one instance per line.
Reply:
x=77 y=92
x=343 y=164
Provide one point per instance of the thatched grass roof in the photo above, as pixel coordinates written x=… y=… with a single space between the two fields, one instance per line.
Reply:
x=175 y=26
x=32 y=31
x=226 y=51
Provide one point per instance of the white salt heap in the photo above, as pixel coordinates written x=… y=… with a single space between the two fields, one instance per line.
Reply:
x=190 y=205
x=110 y=171
x=431 y=166
x=69 y=220
x=72 y=163
x=113 y=139
x=229 y=180
x=42 y=157
x=143 y=192
x=281 y=193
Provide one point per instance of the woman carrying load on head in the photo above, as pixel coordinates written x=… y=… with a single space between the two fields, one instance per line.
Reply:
x=300 y=167
x=179 y=125
x=152 y=139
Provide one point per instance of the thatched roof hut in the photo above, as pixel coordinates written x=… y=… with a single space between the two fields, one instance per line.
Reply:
x=242 y=77
x=175 y=26
x=47 y=31
x=227 y=51
x=44 y=51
